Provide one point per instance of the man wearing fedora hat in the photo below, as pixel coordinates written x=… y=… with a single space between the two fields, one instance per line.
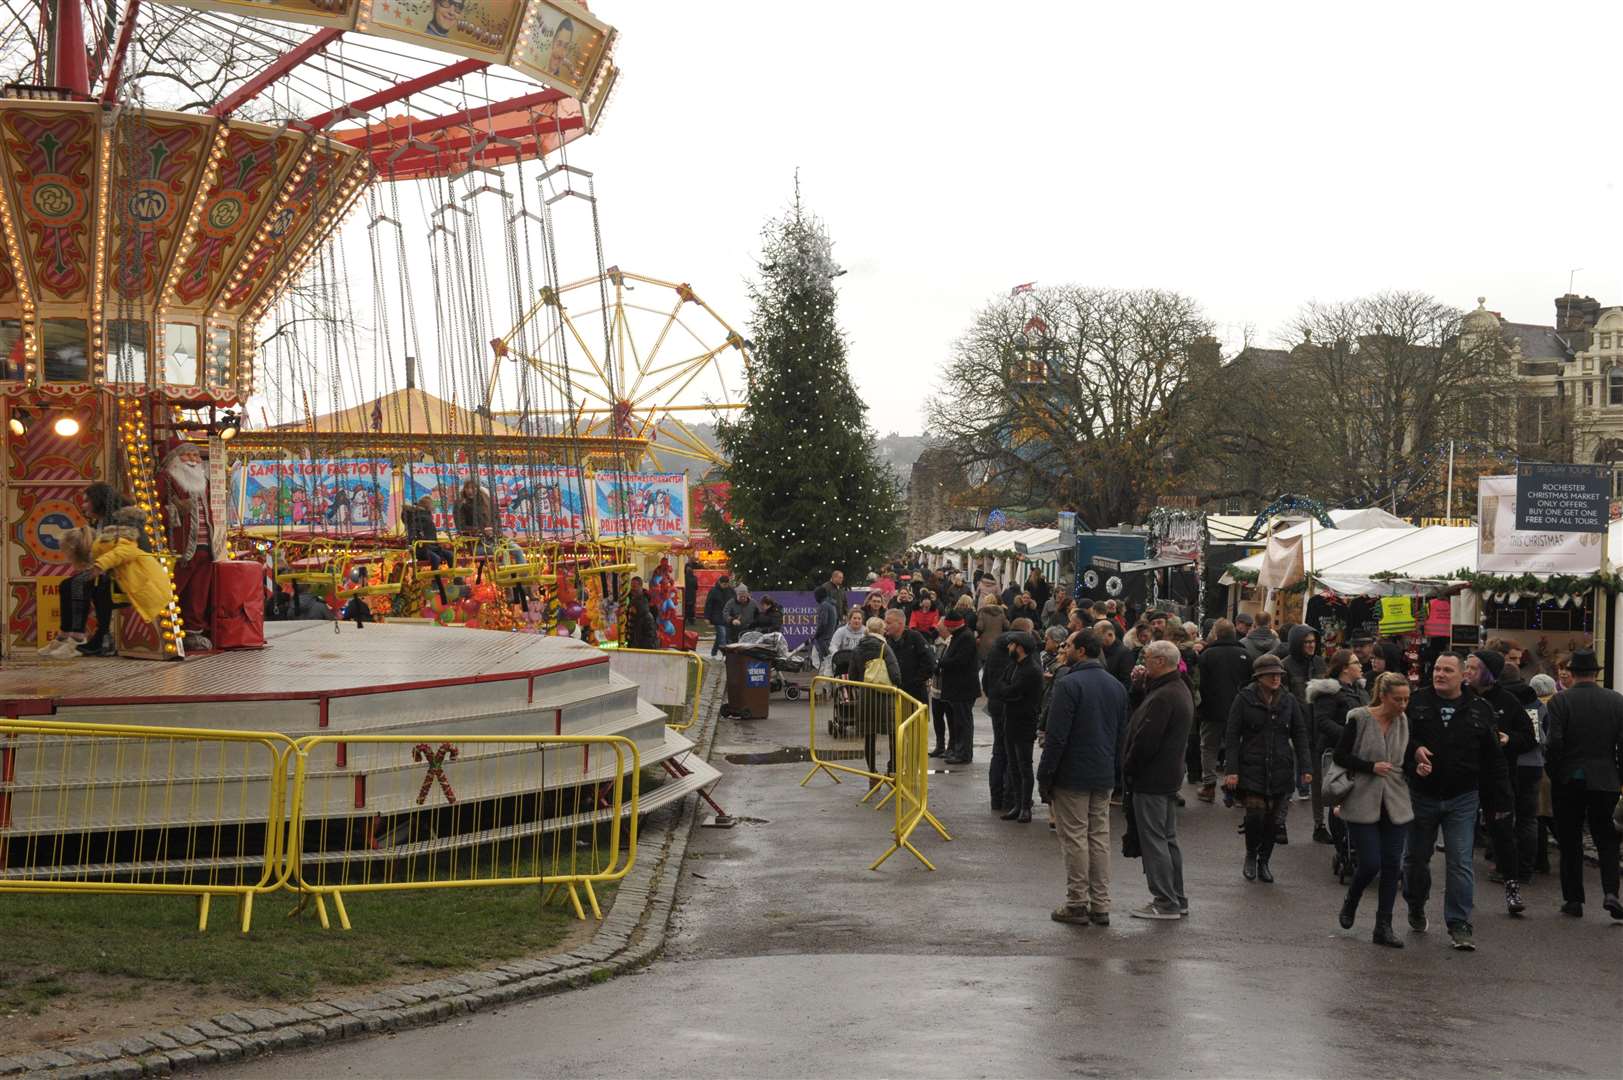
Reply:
x=1584 y=759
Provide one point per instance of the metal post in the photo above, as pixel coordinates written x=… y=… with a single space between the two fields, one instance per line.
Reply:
x=1448 y=510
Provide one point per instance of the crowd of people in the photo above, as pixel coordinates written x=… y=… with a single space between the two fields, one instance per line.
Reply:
x=1090 y=707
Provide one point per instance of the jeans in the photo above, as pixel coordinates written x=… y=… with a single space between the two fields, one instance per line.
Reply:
x=1456 y=819
x=1211 y=744
x=961 y=729
x=1574 y=808
x=1082 y=823
x=1157 y=817
x=721 y=638
x=998 y=768
x=1380 y=852
x=1017 y=745
x=1526 y=826
x=938 y=718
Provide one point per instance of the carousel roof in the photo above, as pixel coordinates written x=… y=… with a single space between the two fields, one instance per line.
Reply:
x=411 y=411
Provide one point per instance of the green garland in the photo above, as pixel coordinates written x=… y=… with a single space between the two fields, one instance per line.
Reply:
x=1290 y=504
x=1534 y=585
x=1250 y=578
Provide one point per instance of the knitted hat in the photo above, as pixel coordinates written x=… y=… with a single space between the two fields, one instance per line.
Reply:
x=1492 y=660
x=1267 y=664
x=1243 y=619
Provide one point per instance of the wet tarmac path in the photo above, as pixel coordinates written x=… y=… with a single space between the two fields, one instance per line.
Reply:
x=789 y=958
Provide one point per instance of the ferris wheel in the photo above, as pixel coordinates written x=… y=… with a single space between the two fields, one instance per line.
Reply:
x=632 y=357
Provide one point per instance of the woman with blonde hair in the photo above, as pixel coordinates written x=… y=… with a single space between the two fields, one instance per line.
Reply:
x=1378 y=810
x=876 y=710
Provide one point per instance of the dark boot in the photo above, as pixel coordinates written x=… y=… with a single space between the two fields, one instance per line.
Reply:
x=1383 y=933
x=1349 y=913
x=1264 y=875
x=1250 y=868
x=1012 y=813
x=1025 y=815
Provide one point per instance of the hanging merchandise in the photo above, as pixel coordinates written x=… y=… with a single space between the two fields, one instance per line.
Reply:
x=1467 y=607
x=1439 y=618
x=1397 y=615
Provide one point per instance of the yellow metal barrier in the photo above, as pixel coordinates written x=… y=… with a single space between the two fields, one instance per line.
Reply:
x=108 y=808
x=668 y=678
x=386 y=812
x=870 y=708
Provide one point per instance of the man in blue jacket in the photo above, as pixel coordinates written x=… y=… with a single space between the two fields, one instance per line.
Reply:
x=1086 y=718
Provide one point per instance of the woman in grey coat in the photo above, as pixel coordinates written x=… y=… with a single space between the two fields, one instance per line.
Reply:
x=1377 y=812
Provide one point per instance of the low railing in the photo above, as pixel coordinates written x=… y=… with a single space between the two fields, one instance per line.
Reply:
x=867 y=710
x=375 y=813
x=132 y=809
x=112 y=808
x=668 y=678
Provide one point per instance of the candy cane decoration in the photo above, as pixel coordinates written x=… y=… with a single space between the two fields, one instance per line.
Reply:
x=436 y=769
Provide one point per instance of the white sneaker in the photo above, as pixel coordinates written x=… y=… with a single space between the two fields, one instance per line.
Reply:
x=63 y=648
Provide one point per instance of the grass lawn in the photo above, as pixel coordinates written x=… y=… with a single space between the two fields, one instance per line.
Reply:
x=59 y=947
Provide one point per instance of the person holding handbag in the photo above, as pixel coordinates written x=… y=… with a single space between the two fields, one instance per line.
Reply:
x=874 y=662
x=1376 y=810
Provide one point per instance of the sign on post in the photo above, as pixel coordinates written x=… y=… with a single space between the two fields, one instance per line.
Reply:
x=1502 y=547
x=1563 y=498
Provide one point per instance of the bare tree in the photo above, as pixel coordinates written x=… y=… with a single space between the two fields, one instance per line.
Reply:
x=1074 y=397
x=1383 y=383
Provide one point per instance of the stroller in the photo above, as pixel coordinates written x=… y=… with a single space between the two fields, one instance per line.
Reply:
x=843 y=717
x=793 y=672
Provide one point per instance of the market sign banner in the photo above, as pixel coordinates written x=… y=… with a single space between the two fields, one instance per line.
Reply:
x=651 y=506
x=1503 y=548
x=533 y=500
x=339 y=495
x=1563 y=498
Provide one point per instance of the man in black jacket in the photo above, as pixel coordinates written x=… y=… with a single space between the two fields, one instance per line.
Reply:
x=914 y=656
x=1454 y=765
x=997 y=769
x=1152 y=769
x=1483 y=671
x=715 y=603
x=1224 y=669
x=960 y=686
x=1118 y=658
x=1585 y=758
x=1019 y=689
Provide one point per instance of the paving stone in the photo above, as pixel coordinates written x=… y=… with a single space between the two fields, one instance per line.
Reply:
x=209 y=1029
x=322 y=1008
x=9 y=1065
x=185 y=1036
x=91 y=1053
x=261 y=1019
x=182 y=1059
x=155 y=1065
x=229 y=1049
x=233 y=1024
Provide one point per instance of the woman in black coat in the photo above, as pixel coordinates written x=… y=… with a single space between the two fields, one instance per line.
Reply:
x=1267 y=750
x=875 y=709
x=1330 y=700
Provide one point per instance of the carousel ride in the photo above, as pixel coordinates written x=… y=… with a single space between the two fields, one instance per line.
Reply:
x=173 y=178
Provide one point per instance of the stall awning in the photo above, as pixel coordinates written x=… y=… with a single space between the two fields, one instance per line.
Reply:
x=948 y=540
x=1330 y=546
x=1231 y=528
x=1430 y=556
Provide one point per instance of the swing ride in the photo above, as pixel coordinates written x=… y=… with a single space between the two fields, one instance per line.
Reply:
x=175 y=176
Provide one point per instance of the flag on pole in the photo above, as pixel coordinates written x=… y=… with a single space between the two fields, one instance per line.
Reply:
x=1018 y=289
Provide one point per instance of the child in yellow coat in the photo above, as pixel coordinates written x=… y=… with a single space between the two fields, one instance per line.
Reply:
x=140 y=576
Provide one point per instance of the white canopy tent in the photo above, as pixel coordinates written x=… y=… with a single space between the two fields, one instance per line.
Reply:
x=1328 y=546
x=1231 y=528
x=1425 y=560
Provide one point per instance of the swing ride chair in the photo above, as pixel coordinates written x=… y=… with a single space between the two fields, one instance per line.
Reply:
x=148 y=235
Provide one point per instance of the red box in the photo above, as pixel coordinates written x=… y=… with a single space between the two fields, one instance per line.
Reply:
x=239 y=605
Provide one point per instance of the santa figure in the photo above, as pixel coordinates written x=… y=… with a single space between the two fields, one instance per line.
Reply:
x=192 y=528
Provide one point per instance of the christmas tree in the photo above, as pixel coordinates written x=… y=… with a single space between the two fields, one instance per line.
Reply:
x=809 y=494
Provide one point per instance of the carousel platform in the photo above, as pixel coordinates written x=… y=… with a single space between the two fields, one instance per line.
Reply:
x=434 y=682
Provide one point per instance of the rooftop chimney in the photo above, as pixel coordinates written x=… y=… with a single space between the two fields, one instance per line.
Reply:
x=1574 y=314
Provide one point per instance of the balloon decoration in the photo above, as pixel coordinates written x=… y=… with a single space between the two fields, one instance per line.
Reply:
x=662 y=592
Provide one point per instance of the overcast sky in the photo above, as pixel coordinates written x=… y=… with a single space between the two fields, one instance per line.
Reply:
x=1254 y=156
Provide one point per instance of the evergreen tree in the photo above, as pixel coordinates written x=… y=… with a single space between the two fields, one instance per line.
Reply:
x=809 y=494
